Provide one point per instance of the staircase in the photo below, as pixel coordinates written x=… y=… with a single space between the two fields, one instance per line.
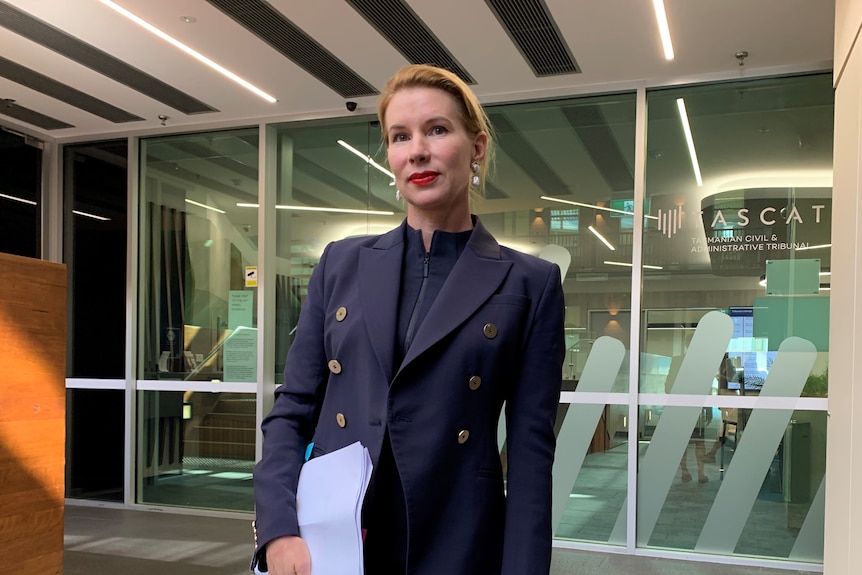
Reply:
x=226 y=430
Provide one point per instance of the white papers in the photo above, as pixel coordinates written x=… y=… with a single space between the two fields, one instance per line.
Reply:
x=328 y=507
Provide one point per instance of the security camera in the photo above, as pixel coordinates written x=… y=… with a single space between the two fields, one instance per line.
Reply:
x=351 y=106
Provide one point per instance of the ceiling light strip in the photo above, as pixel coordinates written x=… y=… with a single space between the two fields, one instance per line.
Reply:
x=602 y=238
x=573 y=203
x=646 y=266
x=368 y=159
x=821 y=246
x=17 y=199
x=93 y=216
x=683 y=117
x=191 y=52
x=663 y=28
x=322 y=209
x=194 y=203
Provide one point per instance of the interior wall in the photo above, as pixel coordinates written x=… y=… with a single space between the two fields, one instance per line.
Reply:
x=848 y=15
x=843 y=523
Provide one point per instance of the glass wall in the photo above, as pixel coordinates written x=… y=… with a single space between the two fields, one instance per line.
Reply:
x=562 y=189
x=736 y=307
x=332 y=184
x=196 y=449
x=95 y=440
x=95 y=180
x=198 y=318
x=20 y=195
x=712 y=445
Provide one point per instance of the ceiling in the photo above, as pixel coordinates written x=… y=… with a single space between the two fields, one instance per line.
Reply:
x=76 y=69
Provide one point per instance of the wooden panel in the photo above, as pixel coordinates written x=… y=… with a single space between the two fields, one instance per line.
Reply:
x=32 y=413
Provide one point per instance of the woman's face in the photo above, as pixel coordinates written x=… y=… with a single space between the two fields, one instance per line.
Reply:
x=430 y=151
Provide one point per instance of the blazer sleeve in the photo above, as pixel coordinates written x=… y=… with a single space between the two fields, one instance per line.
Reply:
x=531 y=409
x=290 y=425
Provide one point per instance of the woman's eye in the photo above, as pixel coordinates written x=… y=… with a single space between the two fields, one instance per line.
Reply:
x=439 y=130
x=399 y=137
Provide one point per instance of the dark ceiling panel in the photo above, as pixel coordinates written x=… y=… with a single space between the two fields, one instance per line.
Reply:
x=526 y=157
x=492 y=192
x=397 y=22
x=194 y=150
x=594 y=132
x=287 y=38
x=346 y=187
x=532 y=28
x=13 y=110
x=46 y=35
x=59 y=91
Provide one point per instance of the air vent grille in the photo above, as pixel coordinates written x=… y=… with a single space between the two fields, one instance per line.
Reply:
x=532 y=28
x=272 y=27
x=33 y=117
x=59 y=91
x=397 y=22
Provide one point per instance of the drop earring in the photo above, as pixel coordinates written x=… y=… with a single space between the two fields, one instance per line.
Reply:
x=475 y=167
x=397 y=195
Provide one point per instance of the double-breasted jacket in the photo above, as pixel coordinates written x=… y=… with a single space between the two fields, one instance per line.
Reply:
x=493 y=337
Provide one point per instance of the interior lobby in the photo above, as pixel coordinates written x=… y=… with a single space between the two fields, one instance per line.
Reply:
x=694 y=197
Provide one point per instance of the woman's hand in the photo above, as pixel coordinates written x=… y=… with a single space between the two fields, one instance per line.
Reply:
x=288 y=556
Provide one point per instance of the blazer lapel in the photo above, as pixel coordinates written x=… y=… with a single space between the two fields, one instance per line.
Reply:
x=379 y=280
x=475 y=278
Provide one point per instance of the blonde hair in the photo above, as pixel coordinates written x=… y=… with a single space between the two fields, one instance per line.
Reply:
x=473 y=116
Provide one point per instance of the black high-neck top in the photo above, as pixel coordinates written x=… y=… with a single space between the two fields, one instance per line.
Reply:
x=423 y=274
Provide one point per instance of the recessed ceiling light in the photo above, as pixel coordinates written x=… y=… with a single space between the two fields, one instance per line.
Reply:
x=321 y=209
x=625 y=264
x=191 y=52
x=602 y=238
x=188 y=19
x=583 y=205
x=17 y=199
x=686 y=128
x=663 y=28
x=92 y=216
x=368 y=159
x=200 y=205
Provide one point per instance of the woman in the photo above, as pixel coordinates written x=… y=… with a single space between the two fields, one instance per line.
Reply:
x=410 y=342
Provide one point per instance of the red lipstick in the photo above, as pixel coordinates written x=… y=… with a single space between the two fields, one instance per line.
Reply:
x=423 y=178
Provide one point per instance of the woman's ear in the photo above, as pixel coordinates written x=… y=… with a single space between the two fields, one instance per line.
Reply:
x=480 y=146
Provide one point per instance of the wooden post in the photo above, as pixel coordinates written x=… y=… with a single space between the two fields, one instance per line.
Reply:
x=32 y=414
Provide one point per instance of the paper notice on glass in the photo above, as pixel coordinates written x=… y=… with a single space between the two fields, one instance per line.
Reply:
x=328 y=508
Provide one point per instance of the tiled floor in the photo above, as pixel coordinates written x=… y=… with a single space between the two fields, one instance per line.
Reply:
x=118 y=541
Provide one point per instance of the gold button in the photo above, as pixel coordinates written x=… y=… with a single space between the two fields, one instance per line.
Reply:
x=334 y=366
x=463 y=436
x=339 y=418
x=475 y=382
x=341 y=313
x=490 y=330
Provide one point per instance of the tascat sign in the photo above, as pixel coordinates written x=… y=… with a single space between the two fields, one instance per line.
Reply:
x=767 y=216
x=765 y=223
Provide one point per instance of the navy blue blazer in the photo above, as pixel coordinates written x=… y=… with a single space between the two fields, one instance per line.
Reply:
x=494 y=334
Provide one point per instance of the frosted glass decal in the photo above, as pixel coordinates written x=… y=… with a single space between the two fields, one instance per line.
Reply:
x=673 y=431
x=600 y=372
x=619 y=532
x=756 y=449
x=809 y=542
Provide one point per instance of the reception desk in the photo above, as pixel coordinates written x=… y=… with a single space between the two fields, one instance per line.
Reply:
x=32 y=414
